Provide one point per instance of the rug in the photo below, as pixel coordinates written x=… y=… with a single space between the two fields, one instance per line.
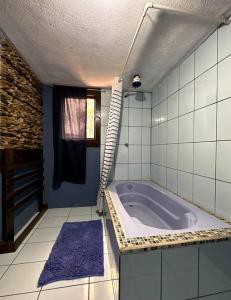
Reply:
x=77 y=253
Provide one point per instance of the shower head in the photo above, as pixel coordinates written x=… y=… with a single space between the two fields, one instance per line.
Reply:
x=136 y=81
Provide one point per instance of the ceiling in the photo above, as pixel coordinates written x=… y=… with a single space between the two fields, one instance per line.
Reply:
x=85 y=43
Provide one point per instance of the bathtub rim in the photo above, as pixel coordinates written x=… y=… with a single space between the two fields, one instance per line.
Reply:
x=164 y=241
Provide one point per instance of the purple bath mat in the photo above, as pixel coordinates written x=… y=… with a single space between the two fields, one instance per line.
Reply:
x=77 y=253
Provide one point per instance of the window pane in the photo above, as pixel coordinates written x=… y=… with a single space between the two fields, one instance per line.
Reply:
x=73 y=119
x=90 y=118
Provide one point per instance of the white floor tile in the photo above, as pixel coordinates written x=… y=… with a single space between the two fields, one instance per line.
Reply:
x=34 y=252
x=52 y=222
x=58 y=212
x=93 y=210
x=78 y=211
x=115 y=284
x=3 y=270
x=79 y=218
x=45 y=235
x=107 y=271
x=101 y=291
x=65 y=283
x=6 y=259
x=21 y=278
x=79 y=292
x=29 y=296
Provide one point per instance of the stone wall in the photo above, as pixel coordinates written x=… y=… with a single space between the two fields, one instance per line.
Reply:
x=20 y=101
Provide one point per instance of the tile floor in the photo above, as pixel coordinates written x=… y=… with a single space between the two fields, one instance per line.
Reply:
x=19 y=271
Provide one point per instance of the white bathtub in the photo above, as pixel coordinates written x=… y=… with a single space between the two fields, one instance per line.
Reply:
x=145 y=209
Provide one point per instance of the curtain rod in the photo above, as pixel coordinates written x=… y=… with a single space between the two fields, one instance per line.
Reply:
x=149 y=5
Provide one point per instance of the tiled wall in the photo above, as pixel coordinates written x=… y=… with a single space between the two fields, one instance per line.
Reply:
x=185 y=273
x=133 y=158
x=191 y=127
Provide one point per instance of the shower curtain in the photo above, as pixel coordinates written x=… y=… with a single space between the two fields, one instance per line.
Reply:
x=111 y=139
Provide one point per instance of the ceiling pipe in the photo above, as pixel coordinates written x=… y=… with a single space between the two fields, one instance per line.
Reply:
x=215 y=19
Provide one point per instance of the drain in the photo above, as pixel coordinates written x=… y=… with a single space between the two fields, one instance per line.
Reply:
x=130 y=205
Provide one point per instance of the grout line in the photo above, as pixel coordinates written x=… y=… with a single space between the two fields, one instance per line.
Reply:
x=215 y=196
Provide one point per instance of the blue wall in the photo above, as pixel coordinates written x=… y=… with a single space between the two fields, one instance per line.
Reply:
x=68 y=194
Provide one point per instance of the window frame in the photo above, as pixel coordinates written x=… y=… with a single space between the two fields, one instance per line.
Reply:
x=96 y=95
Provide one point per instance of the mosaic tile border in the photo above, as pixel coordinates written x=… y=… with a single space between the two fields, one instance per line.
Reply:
x=164 y=241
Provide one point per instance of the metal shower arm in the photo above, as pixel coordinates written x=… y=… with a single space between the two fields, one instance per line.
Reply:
x=215 y=19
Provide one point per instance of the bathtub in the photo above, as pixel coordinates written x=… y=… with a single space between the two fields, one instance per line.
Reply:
x=144 y=209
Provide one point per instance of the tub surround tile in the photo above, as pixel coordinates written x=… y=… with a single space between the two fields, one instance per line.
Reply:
x=179 y=269
x=214 y=277
x=126 y=245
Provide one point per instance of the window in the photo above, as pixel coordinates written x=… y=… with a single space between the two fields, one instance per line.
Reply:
x=93 y=118
x=81 y=117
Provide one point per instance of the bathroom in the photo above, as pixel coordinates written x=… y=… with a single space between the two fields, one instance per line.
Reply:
x=115 y=141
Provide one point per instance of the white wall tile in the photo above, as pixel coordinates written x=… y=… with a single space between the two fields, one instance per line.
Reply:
x=121 y=172
x=224 y=86
x=146 y=117
x=172 y=180
x=173 y=106
x=206 y=88
x=186 y=128
x=185 y=185
x=224 y=42
x=224 y=120
x=186 y=99
x=163 y=111
x=105 y=97
x=187 y=70
x=206 y=55
x=162 y=91
x=104 y=115
x=204 y=192
x=135 y=117
x=205 y=124
x=146 y=154
x=155 y=135
x=162 y=176
x=155 y=154
x=223 y=200
x=146 y=135
x=103 y=134
x=172 y=131
x=136 y=100
x=134 y=154
x=134 y=171
x=123 y=138
x=163 y=133
x=134 y=135
x=155 y=115
x=122 y=155
x=154 y=97
x=173 y=81
x=146 y=172
x=224 y=161
x=204 y=159
x=162 y=155
x=172 y=152
x=124 y=118
x=147 y=100
x=154 y=172
x=185 y=158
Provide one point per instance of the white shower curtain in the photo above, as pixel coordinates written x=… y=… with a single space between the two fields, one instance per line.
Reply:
x=111 y=139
